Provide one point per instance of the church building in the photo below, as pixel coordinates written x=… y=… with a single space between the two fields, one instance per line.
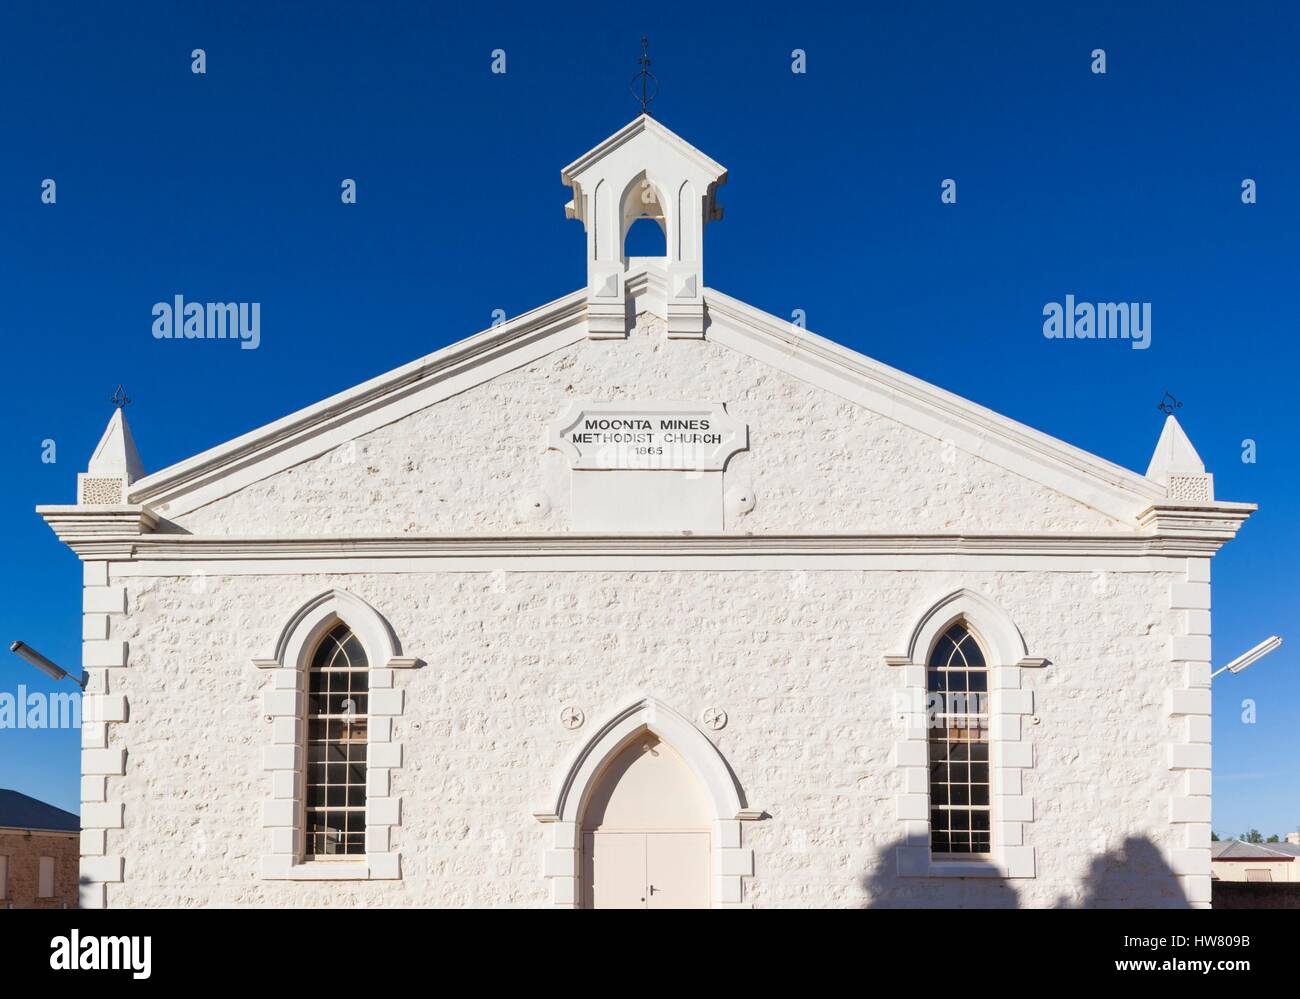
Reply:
x=645 y=598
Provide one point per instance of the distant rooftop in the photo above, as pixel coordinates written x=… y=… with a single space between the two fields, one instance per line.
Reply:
x=18 y=811
x=1235 y=849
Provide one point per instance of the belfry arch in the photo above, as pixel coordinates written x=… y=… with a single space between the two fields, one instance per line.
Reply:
x=643 y=199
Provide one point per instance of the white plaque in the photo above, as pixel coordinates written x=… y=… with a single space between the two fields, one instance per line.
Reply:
x=681 y=436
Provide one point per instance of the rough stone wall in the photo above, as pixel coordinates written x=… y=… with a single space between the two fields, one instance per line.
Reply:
x=24 y=851
x=817 y=463
x=793 y=657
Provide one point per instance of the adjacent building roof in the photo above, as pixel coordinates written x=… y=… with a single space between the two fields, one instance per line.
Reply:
x=18 y=811
x=1235 y=849
x=1292 y=850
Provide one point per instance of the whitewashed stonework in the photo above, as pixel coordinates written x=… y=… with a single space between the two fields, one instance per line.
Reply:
x=528 y=611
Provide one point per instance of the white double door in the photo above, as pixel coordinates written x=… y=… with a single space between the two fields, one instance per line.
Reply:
x=645 y=870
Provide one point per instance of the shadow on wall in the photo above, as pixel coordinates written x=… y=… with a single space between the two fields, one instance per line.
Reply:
x=1134 y=875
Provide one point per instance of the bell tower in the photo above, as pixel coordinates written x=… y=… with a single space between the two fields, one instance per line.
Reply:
x=644 y=170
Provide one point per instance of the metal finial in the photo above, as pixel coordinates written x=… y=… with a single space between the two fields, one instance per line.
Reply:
x=649 y=84
x=1168 y=404
x=119 y=398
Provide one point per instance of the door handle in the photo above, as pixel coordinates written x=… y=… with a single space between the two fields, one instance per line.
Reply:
x=652 y=889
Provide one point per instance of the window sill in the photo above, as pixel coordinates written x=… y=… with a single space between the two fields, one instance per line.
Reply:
x=330 y=870
x=372 y=867
x=946 y=867
x=1008 y=862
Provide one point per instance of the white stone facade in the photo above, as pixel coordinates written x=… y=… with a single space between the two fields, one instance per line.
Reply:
x=811 y=731
x=866 y=512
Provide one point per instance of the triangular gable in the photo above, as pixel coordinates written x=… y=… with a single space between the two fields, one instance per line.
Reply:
x=1076 y=474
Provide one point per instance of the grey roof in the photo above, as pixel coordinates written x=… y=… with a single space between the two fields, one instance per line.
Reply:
x=1235 y=849
x=18 y=811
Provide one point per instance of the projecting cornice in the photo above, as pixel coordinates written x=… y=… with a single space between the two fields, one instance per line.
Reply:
x=109 y=531
x=87 y=533
x=1205 y=522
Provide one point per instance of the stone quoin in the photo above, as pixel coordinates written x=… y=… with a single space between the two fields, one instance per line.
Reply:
x=816 y=633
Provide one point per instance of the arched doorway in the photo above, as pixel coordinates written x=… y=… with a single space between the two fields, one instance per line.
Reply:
x=578 y=783
x=646 y=832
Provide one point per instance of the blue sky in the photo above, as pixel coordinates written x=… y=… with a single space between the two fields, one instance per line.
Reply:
x=225 y=186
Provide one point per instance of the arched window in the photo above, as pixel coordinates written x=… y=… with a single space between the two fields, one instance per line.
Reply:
x=957 y=683
x=337 y=702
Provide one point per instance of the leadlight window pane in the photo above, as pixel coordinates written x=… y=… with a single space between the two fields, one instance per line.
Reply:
x=957 y=684
x=338 y=686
